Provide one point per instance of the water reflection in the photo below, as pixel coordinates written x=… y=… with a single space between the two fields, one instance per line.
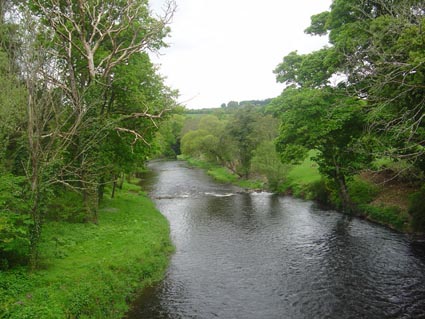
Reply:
x=259 y=255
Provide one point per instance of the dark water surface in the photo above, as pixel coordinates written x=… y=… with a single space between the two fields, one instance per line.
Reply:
x=260 y=255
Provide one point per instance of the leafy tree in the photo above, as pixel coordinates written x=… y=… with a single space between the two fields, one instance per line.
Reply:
x=168 y=137
x=232 y=104
x=379 y=47
x=204 y=142
x=230 y=141
x=328 y=121
x=309 y=70
x=377 y=54
x=241 y=128
x=88 y=113
x=14 y=220
x=267 y=162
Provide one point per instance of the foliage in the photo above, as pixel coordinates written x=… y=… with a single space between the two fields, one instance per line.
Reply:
x=204 y=137
x=320 y=192
x=91 y=271
x=168 y=137
x=14 y=221
x=361 y=191
x=417 y=210
x=309 y=70
x=230 y=138
x=67 y=206
x=379 y=47
x=82 y=104
x=266 y=161
x=241 y=128
x=222 y=174
x=390 y=216
x=376 y=59
x=325 y=120
x=302 y=176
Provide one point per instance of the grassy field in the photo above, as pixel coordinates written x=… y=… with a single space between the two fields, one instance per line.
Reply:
x=92 y=271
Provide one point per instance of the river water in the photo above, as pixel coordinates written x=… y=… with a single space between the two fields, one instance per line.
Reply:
x=259 y=255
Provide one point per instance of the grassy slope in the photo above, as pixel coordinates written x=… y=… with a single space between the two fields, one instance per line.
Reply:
x=301 y=176
x=91 y=271
x=222 y=174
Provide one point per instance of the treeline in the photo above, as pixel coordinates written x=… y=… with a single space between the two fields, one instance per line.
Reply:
x=357 y=106
x=80 y=104
x=240 y=140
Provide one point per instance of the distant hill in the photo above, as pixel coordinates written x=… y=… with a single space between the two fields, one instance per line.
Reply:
x=230 y=105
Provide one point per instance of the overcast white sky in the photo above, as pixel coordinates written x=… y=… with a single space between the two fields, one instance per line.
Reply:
x=223 y=50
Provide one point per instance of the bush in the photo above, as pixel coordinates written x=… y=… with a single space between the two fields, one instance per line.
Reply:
x=417 y=210
x=362 y=192
x=67 y=206
x=318 y=191
x=391 y=216
x=14 y=220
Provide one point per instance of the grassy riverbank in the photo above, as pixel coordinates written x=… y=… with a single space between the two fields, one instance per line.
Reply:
x=92 y=271
x=222 y=174
x=383 y=203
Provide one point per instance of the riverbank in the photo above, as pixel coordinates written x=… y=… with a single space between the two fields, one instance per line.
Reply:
x=92 y=271
x=385 y=203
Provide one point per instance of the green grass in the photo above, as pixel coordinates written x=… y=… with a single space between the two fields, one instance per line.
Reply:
x=389 y=216
x=222 y=174
x=300 y=177
x=92 y=271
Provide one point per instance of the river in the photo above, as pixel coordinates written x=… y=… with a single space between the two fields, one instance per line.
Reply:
x=260 y=255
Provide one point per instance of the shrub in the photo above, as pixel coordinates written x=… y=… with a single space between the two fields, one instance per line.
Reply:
x=14 y=220
x=391 y=216
x=318 y=191
x=362 y=192
x=67 y=206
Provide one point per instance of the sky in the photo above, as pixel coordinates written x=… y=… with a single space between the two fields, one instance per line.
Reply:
x=226 y=50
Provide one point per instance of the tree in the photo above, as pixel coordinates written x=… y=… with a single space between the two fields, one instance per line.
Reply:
x=168 y=137
x=241 y=128
x=70 y=55
x=266 y=161
x=309 y=70
x=378 y=45
x=204 y=142
x=377 y=54
x=328 y=121
x=14 y=221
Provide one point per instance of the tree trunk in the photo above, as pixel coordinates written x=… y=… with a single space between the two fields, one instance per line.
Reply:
x=35 y=232
x=114 y=186
x=101 y=190
x=344 y=196
x=121 y=181
x=35 y=228
x=347 y=205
